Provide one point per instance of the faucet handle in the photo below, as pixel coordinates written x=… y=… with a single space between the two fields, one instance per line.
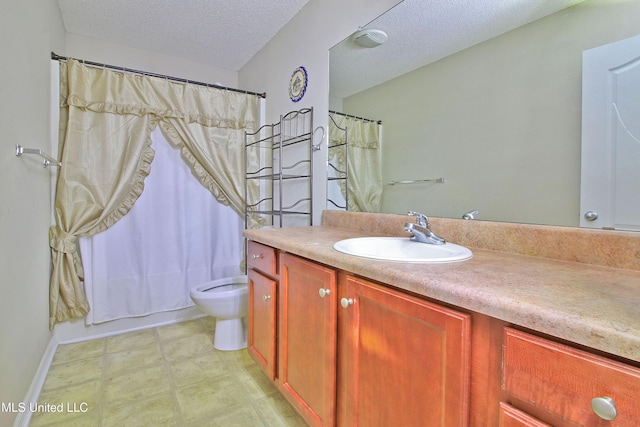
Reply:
x=421 y=219
x=470 y=214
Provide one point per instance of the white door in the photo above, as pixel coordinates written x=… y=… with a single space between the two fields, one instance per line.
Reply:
x=610 y=184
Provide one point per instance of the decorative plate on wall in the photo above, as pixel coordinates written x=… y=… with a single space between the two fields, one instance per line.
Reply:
x=298 y=84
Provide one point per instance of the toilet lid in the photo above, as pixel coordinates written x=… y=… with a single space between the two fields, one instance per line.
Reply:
x=225 y=287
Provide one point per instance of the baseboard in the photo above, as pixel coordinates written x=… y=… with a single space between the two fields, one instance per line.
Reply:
x=76 y=330
x=23 y=418
x=131 y=329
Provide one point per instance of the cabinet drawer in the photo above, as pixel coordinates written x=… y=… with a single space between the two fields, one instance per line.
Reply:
x=563 y=380
x=512 y=417
x=262 y=258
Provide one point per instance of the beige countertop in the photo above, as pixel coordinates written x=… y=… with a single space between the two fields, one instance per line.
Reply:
x=596 y=306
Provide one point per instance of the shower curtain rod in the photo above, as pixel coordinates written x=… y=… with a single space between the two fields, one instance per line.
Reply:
x=355 y=117
x=57 y=57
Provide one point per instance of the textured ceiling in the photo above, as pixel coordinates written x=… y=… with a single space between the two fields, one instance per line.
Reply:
x=424 y=31
x=228 y=33
x=222 y=33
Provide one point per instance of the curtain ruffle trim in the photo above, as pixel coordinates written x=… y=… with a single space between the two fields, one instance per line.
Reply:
x=141 y=110
x=68 y=313
x=369 y=145
x=255 y=221
x=204 y=177
x=109 y=91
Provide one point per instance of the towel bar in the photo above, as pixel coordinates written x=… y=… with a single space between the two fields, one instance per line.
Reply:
x=417 y=181
x=48 y=160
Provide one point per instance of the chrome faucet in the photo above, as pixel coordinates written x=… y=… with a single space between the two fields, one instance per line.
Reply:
x=470 y=215
x=421 y=230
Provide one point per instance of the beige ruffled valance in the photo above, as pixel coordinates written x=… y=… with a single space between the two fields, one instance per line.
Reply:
x=362 y=133
x=104 y=90
x=105 y=150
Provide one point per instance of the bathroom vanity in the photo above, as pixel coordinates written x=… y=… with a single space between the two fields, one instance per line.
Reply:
x=526 y=333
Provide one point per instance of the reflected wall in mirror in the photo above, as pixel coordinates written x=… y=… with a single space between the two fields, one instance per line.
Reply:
x=499 y=120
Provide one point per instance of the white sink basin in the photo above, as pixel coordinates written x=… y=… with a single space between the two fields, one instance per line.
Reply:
x=402 y=249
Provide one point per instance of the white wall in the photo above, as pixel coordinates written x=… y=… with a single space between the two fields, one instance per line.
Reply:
x=104 y=52
x=305 y=41
x=29 y=32
x=500 y=121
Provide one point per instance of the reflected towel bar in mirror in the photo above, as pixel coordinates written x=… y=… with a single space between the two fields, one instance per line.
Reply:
x=417 y=181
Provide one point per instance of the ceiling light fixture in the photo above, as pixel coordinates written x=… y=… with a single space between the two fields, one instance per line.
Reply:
x=369 y=38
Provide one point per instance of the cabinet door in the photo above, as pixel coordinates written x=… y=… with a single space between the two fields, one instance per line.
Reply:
x=406 y=360
x=262 y=322
x=307 y=341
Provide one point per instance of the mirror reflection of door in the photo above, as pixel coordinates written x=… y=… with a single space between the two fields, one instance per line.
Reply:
x=610 y=182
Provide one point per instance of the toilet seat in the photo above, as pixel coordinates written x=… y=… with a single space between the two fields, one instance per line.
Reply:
x=222 y=288
x=225 y=299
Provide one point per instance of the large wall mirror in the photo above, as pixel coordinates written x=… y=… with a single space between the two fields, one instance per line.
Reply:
x=480 y=103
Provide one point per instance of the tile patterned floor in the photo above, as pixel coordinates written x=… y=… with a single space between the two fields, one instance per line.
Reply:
x=169 y=376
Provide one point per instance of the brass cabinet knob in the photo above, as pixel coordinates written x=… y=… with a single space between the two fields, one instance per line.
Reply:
x=604 y=407
x=266 y=297
x=256 y=256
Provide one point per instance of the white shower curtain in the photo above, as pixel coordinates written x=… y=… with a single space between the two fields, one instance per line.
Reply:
x=175 y=237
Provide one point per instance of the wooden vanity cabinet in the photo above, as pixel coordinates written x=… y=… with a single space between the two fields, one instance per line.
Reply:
x=556 y=383
x=403 y=361
x=349 y=352
x=263 y=292
x=307 y=338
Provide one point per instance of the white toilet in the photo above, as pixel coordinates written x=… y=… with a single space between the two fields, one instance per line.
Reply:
x=226 y=300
